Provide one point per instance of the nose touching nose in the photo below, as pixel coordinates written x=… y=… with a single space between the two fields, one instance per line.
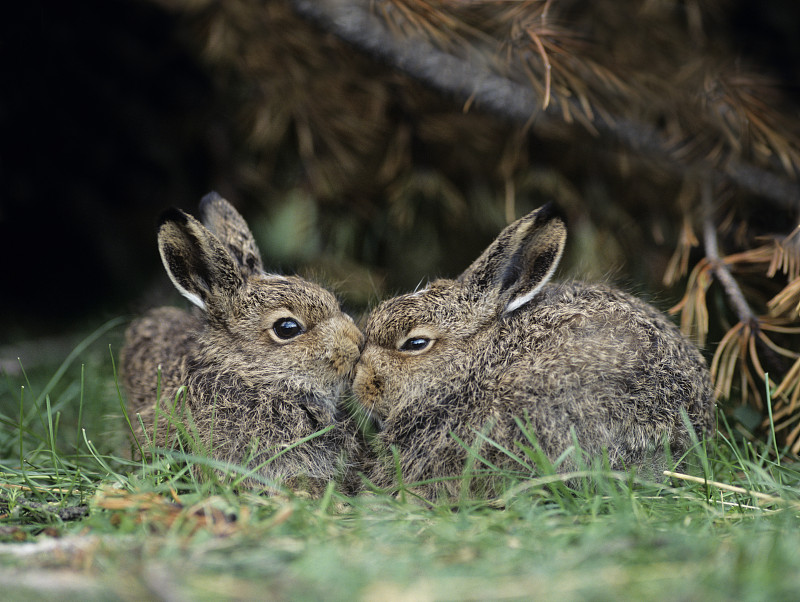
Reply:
x=347 y=347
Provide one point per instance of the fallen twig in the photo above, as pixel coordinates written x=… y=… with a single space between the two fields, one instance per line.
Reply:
x=732 y=488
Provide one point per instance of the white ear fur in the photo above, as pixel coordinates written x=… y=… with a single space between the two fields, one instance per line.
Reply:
x=518 y=302
x=193 y=297
x=520 y=261
x=197 y=263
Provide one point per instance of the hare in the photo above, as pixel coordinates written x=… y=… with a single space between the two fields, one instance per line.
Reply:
x=499 y=348
x=260 y=366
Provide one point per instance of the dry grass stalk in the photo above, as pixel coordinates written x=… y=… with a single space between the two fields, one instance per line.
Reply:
x=761 y=497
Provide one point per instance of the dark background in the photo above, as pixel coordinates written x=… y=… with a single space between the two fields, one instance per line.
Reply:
x=106 y=119
x=109 y=114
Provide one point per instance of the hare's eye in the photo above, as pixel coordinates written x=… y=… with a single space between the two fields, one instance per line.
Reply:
x=415 y=344
x=287 y=328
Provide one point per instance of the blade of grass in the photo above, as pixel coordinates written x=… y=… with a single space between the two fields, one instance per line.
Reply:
x=23 y=470
x=773 y=438
x=80 y=410
x=122 y=402
x=73 y=355
x=99 y=459
x=51 y=433
x=285 y=450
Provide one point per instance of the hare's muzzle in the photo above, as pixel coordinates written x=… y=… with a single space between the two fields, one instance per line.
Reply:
x=368 y=386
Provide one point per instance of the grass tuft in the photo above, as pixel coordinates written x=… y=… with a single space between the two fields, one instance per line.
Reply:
x=727 y=527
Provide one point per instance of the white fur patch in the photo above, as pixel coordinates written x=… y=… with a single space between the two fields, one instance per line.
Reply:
x=522 y=300
x=271 y=277
x=191 y=296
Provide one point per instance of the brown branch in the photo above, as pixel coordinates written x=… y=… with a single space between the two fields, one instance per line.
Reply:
x=471 y=78
x=718 y=267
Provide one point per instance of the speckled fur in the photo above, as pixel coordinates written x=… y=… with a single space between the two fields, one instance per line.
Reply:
x=248 y=394
x=575 y=357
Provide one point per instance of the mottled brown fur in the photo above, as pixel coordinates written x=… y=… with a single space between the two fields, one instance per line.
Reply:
x=570 y=358
x=250 y=394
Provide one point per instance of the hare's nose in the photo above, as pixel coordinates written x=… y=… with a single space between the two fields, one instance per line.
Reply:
x=346 y=348
x=354 y=334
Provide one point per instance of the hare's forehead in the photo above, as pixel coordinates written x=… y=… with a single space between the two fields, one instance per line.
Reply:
x=294 y=293
x=396 y=317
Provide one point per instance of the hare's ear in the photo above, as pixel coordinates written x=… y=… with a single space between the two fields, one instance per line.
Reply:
x=198 y=264
x=519 y=262
x=228 y=225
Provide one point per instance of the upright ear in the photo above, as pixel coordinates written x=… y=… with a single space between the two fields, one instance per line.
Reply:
x=520 y=261
x=228 y=225
x=198 y=264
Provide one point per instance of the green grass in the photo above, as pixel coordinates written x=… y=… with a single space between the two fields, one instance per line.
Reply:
x=78 y=521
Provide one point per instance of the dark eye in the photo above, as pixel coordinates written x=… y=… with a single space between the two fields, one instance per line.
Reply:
x=287 y=328
x=415 y=344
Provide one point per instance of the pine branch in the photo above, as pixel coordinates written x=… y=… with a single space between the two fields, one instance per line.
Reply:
x=472 y=79
x=718 y=267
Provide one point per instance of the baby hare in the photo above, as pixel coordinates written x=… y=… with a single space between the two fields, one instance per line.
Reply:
x=499 y=347
x=259 y=367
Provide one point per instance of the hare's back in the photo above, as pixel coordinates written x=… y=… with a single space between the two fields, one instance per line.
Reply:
x=156 y=346
x=600 y=317
x=593 y=342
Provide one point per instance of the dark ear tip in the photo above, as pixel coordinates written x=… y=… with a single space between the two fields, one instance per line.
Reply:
x=173 y=214
x=549 y=211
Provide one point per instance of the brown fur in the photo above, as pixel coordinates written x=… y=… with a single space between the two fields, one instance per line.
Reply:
x=249 y=394
x=568 y=357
